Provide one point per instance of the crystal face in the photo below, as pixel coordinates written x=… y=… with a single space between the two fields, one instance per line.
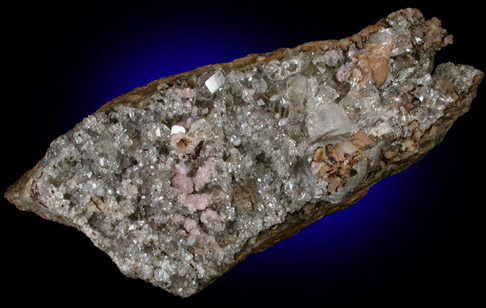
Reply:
x=215 y=82
x=209 y=167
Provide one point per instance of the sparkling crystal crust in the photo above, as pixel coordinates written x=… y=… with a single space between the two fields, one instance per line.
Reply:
x=180 y=180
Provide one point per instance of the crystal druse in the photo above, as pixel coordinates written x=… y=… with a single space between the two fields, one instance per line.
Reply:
x=181 y=179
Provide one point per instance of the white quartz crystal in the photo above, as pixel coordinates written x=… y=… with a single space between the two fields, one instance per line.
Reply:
x=215 y=81
x=177 y=129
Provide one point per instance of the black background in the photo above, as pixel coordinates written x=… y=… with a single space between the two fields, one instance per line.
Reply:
x=51 y=52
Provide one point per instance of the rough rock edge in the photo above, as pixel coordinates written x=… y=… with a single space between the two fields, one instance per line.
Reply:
x=24 y=198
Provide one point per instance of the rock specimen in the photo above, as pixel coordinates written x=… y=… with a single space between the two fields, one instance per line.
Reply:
x=181 y=179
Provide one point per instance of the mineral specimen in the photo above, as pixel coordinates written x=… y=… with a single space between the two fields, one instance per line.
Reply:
x=181 y=179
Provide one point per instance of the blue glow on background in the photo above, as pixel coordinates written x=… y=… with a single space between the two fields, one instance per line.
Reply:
x=113 y=65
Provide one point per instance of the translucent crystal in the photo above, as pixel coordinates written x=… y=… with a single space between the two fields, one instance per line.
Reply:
x=327 y=118
x=215 y=82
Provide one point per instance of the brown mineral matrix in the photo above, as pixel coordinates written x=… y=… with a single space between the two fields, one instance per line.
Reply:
x=181 y=179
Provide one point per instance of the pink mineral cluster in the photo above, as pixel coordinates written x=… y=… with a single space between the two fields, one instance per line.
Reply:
x=203 y=174
x=186 y=185
x=196 y=202
x=181 y=181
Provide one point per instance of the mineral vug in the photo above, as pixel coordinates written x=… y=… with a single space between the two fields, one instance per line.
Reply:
x=181 y=179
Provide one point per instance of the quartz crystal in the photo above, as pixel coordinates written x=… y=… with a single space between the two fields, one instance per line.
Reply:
x=181 y=179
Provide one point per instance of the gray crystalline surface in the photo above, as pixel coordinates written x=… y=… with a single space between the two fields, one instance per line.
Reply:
x=174 y=191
